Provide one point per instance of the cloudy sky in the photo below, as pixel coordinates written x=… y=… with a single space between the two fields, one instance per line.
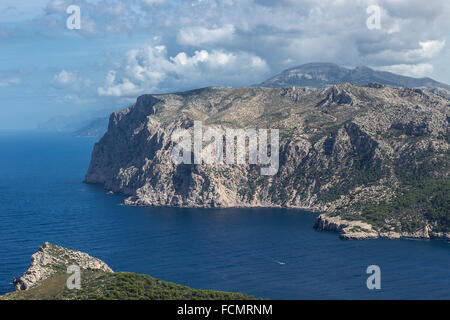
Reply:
x=128 y=47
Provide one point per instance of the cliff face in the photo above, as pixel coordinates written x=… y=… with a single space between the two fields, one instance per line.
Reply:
x=346 y=150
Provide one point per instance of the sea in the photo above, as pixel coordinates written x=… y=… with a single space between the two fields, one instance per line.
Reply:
x=267 y=253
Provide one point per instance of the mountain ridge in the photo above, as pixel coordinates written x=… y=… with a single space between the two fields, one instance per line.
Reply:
x=321 y=75
x=96 y=127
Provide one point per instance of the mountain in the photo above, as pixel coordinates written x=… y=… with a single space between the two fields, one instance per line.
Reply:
x=96 y=128
x=84 y=124
x=322 y=75
x=373 y=159
x=64 y=123
x=47 y=276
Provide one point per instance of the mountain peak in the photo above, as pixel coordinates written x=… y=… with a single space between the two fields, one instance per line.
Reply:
x=325 y=74
x=363 y=69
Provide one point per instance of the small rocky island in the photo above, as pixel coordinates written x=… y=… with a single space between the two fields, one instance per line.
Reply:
x=47 y=276
x=373 y=159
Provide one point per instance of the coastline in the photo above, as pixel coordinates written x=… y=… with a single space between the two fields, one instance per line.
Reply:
x=359 y=230
x=350 y=230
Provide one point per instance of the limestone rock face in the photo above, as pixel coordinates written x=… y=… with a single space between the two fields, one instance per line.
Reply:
x=50 y=259
x=339 y=147
x=347 y=229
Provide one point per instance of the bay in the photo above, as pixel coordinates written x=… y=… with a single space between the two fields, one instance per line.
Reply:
x=270 y=253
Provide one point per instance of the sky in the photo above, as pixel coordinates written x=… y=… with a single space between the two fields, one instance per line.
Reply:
x=125 y=48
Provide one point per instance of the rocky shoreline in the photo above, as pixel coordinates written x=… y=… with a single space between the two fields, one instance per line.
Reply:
x=360 y=230
x=351 y=230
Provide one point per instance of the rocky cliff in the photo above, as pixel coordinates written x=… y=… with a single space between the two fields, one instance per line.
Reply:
x=349 y=151
x=50 y=259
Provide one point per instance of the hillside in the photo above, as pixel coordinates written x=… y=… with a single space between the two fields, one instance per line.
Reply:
x=46 y=280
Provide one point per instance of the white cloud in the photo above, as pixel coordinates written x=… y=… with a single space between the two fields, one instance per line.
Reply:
x=7 y=82
x=150 y=69
x=429 y=49
x=65 y=77
x=196 y=36
x=56 y=6
x=237 y=43
x=152 y=2
x=411 y=70
x=113 y=88
x=426 y=51
x=299 y=30
x=72 y=84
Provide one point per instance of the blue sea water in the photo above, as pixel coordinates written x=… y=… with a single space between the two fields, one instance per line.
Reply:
x=270 y=253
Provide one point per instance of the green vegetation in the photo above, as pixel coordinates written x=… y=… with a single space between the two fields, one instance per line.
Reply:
x=363 y=172
x=426 y=202
x=100 y=285
x=413 y=168
x=421 y=197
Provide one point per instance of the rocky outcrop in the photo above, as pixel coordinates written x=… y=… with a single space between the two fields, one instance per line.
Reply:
x=361 y=230
x=50 y=259
x=347 y=229
x=340 y=149
x=48 y=278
